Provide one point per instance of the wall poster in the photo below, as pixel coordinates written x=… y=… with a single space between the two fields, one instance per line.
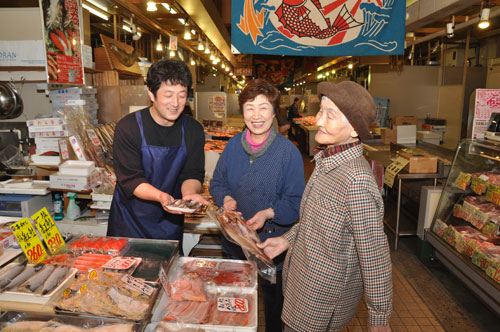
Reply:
x=318 y=27
x=487 y=102
x=63 y=44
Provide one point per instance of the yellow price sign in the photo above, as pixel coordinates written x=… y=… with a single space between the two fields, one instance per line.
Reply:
x=29 y=240
x=48 y=229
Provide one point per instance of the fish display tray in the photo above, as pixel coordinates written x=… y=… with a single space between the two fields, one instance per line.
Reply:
x=37 y=298
x=82 y=322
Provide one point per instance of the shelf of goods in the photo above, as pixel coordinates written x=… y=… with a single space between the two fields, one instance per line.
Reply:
x=119 y=284
x=465 y=228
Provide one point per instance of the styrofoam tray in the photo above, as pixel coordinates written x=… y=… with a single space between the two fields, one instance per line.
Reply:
x=77 y=167
x=37 y=298
x=37 y=188
x=102 y=197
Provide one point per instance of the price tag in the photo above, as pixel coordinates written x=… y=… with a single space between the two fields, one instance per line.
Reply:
x=462 y=180
x=232 y=304
x=493 y=193
x=93 y=137
x=393 y=169
x=479 y=219
x=493 y=273
x=137 y=284
x=478 y=185
x=164 y=279
x=29 y=240
x=122 y=263
x=48 y=230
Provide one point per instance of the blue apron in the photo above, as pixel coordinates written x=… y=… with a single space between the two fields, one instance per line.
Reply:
x=138 y=218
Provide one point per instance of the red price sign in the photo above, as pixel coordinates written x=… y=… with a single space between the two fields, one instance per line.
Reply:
x=48 y=230
x=29 y=240
x=232 y=304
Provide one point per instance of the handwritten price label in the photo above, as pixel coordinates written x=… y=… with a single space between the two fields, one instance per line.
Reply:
x=164 y=279
x=232 y=304
x=462 y=180
x=493 y=193
x=29 y=240
x=137 y=284
x=48 y=230
x=122 y=263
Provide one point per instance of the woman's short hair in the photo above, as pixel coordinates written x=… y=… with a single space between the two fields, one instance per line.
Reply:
x=169 y=71
x=258 y=87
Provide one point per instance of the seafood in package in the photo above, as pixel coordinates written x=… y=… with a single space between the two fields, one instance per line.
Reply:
x=186 y=206
x=33 y=283
x=98 y=244
x=235 y=228
x=14 y=321
x=106 y=294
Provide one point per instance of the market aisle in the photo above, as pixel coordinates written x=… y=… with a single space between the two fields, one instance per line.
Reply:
x=410 y=313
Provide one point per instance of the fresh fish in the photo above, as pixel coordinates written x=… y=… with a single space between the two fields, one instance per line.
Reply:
x=28 y=272
x=10 y=272
x=39 y=278
x=54 y=279
x=32 y=325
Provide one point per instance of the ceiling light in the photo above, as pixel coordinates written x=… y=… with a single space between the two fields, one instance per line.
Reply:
x=484 y=21
x=350 y=66
x=207 y=49
x=192 y=62
x=212 y=56
x=172 y=11
x=187 y=35
x=172 y=53
x=183 y=21
x=193 y=31
x=327 y=73
x=223 y=65
x=159 y=45
x=98 y=5
x=166 y=6
x=127 y=28
x=227 y=68
x=151 y=7
x=200 y=45
x=333 y=71
x=96 y=12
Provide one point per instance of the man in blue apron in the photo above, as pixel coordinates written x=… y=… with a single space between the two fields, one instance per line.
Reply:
x=158 y=157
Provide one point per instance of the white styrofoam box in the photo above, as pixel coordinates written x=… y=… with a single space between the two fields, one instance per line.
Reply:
x=77 y=167
x=69 y=186
x=77 y=96
x=62 y=107
x=38 y=129
x=58 y=177
x=102 y=197
x=74 y=90
x=429 y=137
x=46 y=122
x=100 y=205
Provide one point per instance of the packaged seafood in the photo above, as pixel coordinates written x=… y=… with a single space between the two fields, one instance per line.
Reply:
x=44 y=282
x=14 y=321
x=235 y=229
x=185 y=206
x=105 y=295
x=99 y=244
x=219 y=272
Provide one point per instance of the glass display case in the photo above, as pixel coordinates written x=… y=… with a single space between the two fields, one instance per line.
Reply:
x=465 y=228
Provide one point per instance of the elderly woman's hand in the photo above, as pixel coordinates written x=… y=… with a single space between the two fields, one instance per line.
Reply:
x=274 y=246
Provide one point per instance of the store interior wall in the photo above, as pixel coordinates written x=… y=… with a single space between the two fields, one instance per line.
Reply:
x=412 y=91
x=449 y=108
x=25 y=24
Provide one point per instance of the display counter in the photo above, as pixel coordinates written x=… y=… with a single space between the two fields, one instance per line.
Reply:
x=305 y=135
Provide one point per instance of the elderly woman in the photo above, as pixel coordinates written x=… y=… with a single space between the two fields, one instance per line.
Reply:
x=338 y=250
x=261 y=175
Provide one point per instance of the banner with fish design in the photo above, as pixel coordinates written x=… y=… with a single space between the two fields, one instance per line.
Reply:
x=318 y=27
x=63 y=44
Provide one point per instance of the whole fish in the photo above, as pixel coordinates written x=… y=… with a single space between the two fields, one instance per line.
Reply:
x=39 y=278
x=53 y=280
x=10 y=272
x=28 y=272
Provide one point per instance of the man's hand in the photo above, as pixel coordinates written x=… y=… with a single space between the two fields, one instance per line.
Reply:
x=379 y=328
x=259 y=219
x=230 y=203
x=196 y=197
x=274 y=246
x=165 y=199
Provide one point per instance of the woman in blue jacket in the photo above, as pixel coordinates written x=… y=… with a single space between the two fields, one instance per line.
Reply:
x=261 y=174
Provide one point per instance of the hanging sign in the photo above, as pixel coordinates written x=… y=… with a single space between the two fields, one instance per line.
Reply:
x=63 y=44
x=318 y=27
x=29 y=240
x=393 y=169
x=172 y=43
x=487 y=102
x=48 y=230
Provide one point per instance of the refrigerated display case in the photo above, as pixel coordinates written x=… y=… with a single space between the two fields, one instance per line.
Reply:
x=464 y=232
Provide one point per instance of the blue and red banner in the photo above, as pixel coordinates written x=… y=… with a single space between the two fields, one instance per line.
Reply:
x=318 y=27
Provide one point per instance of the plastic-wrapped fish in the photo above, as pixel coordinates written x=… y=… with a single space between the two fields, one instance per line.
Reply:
x=28 y=272
x=10 y=272
x=54 y=279
x=26 y=326
x=39 y=278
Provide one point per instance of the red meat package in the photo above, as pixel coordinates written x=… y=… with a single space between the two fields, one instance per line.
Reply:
x=233 y=273
x=235 y=229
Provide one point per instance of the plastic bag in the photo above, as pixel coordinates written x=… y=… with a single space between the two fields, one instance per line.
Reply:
x=235 y=229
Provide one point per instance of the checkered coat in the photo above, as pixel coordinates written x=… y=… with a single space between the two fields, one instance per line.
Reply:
x=338 y=249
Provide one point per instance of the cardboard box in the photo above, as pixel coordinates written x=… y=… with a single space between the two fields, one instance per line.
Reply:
x=403 y=120
x=405 y=134
x=420 y=161
x=429 y=137
x=386 y=135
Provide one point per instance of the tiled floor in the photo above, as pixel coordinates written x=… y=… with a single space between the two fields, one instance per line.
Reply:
x=410 y=313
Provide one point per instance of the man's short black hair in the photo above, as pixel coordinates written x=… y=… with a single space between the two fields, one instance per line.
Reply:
x=296 y=99
x=169 y=71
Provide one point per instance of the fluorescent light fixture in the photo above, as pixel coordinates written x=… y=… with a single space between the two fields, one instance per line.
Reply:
x=127 y=28
x=151 y=6
x=172 y=11
x=183 y=21
x=96 y=12
x=166 y=6
x=450 y=27
x=98 y=5
x=484 y=21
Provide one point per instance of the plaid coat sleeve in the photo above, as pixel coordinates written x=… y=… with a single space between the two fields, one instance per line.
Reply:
x=366 y=211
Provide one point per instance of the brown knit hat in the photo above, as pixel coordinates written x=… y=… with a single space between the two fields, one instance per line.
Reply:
x=354 y=101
